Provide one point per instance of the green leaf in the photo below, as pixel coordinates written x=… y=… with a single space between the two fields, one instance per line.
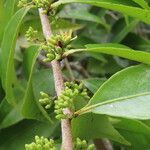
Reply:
x=142 y=3
x=93 y=83
x=92 y=126
x=126 y=94
x=121 y=51
x=10 y=115
x=56 y=25
x=15 y=137
x=137 y=42
x=31 y=108
x=82 y=15
x=121 y=29
x=43 y=81
x=134 y=126
x=7 y=71
x=6 y=12
x=136 y=132
x=138 y=141
x=127 y=7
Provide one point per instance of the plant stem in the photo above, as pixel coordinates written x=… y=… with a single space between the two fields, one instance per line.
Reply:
x=67 y=143
x=69 y=69
x=67 y=53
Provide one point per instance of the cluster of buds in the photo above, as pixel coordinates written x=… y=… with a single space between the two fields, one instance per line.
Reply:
x=41 y=143
x=31 y=34
x=44 y=4
x=23 y=3
x=57 y=45
x=66 y=99
x=46 y=101
x=77 y=88
x=82 y=145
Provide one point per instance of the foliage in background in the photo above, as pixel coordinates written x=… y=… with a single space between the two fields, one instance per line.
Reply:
x=113 y=38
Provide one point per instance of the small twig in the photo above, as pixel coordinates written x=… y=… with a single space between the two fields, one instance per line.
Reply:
x=80 y=69
x=112 y=15
x=67 y=143
x=40 y=60
x=69 y=69
x=103 y=144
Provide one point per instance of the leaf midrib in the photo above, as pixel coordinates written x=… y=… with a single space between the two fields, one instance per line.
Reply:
x=88 y=107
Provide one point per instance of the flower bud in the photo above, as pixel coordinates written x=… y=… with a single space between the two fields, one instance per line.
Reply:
x=90 y=147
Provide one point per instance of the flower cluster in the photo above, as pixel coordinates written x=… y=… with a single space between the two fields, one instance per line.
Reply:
x=66 y=99
x=22 y=3
x=46 y=101
x=41 y=143
x=82 y=145
x=44 y=4
x=31 y=34
x=56 y=45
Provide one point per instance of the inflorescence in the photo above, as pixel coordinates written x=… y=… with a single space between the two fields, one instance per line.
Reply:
x=82 y=145
x=31 y=34
x=44 y=4
x=41 y=143
x=68 y=96
x=46 y=101
x=56 y=45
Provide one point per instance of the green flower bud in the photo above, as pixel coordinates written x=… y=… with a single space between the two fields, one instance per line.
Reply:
x=67 y=40
x=52 y=41
x=44 y=47
x=31 y=34
x=58 y=111
x=58 y=49
x=60 y=116
x=58 y=57
x=51 y=56
x=66 y=104
x=44 y=95
x=22 y=3
x=67 y=97
x=41 y=143
x=48 y=106
x=90 y=147
x=46 y=60
x=84 y=144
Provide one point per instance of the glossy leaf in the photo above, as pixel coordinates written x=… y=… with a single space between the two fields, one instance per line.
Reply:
x=121 y=51
x=6 y=12
x=126 y=94
x=7 y=54
x=134 y=126
x=142 y=3
x=83 y=15
x=31 y=108
x=92 y=126
x=127 y=7
x=10 y=115
x=138 y=141
x=39 y=84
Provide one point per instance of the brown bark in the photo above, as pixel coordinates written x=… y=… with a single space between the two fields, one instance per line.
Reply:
x=67 y=143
